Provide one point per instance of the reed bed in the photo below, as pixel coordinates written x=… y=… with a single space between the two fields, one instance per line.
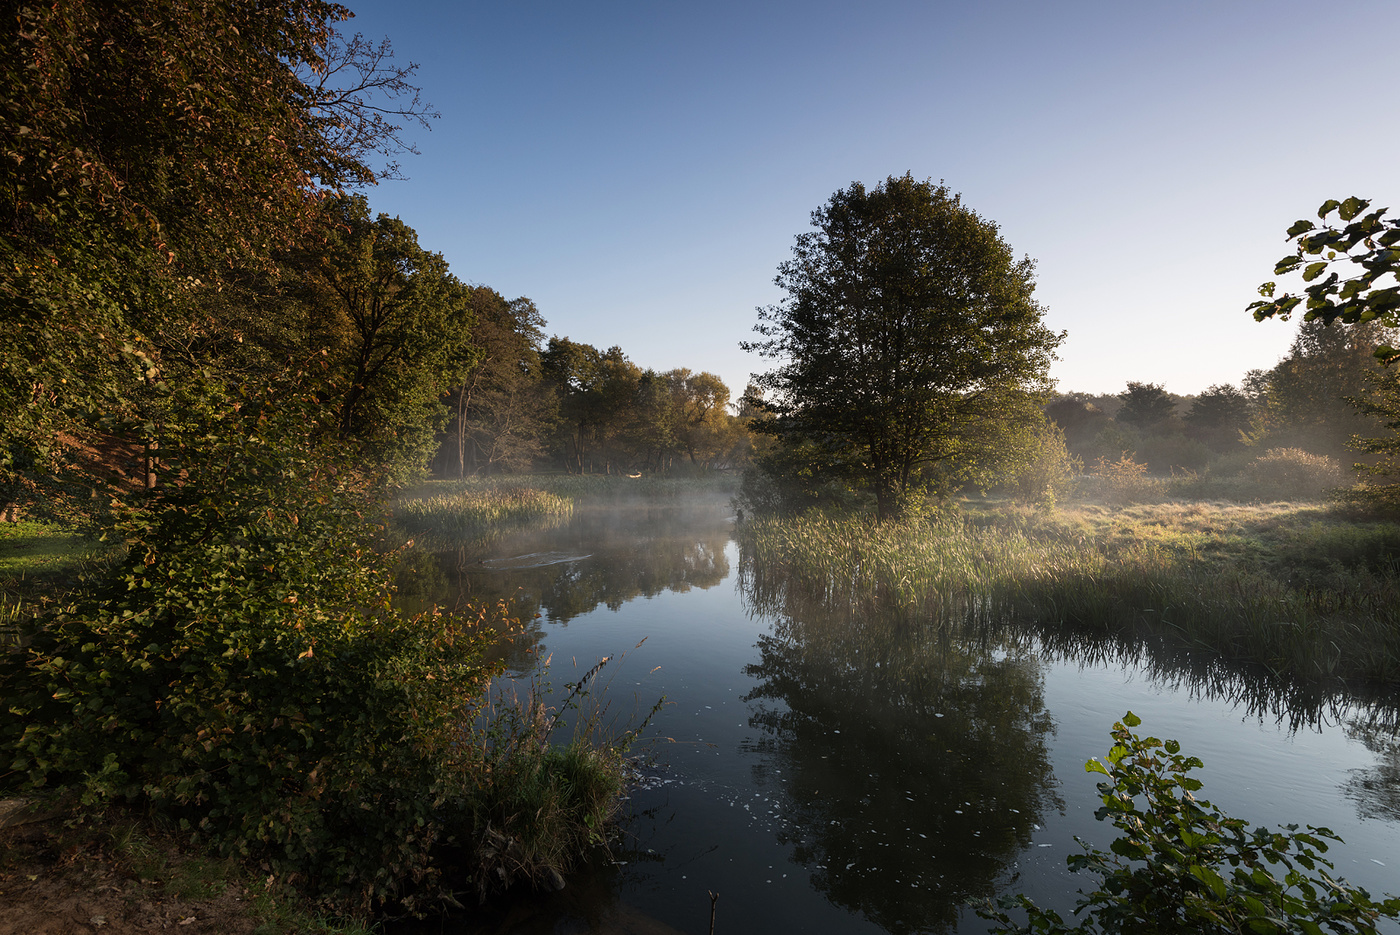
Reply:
x=476 y=513
x=1261 y=584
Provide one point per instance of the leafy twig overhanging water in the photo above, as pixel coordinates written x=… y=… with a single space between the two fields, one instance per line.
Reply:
x=1180 y=864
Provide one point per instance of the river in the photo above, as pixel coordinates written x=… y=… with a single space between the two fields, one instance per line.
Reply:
x=826 y=773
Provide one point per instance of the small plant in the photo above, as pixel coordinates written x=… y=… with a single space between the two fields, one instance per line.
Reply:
x=1181 y=865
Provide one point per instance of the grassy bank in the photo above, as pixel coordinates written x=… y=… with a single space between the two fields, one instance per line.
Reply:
x=1300 y=588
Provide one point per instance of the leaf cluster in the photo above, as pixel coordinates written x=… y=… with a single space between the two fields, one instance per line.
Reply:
x=1180 y=864
x=1365 y=245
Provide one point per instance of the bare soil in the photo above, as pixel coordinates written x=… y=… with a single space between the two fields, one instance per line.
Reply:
x=56 y=880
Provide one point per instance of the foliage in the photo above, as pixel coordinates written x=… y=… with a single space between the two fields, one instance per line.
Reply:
x=907 y=340
x=1307 y=394
x=1381 y=402
x=154 y=152
x=1146 y=406
x=1180 y=864
x=1362 y=244
x=1046 y=472
x=503 y=407
x=396 y=328
x=1294 y=474
x=243 y=670
x=1081 y=420
x=1124 y=481
x=1219 y=416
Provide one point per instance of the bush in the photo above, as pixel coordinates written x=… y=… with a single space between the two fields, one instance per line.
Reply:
x=245 y=673
x=1294 y=474
x=1181 y=865
x=1048 y=472
x=1124 y=481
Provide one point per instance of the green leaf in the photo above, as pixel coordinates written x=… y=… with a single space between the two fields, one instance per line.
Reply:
x=1094 y=766
x=1131 y=719
x=1327 y=208
x=1300 y=227
x=1352 y=207
x=1313 y=271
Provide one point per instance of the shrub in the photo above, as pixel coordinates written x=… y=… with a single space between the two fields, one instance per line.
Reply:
x=1048 y=472
x=1181 y=865
x=244 y=672
x=1125 y=481
x=1294 y=474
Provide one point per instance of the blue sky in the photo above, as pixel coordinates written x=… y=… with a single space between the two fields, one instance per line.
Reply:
x=640 y=169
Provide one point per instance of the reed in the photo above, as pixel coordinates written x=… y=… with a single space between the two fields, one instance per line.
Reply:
x=475 y=513
x=1301 y=591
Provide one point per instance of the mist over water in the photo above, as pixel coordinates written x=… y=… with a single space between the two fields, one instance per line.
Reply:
x=832 y=769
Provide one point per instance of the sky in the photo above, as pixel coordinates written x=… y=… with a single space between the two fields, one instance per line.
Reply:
x=639 y=170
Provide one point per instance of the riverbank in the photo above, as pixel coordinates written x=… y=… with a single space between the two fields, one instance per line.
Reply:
x=1307 y=590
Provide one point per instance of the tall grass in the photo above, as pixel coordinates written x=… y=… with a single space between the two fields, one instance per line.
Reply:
x=542 y=804
x=1283 y=595
x=475 y=513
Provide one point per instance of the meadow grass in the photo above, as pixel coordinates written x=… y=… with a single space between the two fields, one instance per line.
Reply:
x=1302 y=589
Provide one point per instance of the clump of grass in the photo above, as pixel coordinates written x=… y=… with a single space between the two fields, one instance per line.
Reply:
x=543 y=804
x=472 y=514
x=1227 y=579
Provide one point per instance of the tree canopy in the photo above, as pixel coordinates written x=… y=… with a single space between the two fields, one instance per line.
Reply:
x=908 y=342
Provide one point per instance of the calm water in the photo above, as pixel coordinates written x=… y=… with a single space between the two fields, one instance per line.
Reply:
x=826 y=772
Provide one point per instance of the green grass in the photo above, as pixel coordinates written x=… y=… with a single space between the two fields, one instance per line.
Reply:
x=1303 y=590
x=30 y=550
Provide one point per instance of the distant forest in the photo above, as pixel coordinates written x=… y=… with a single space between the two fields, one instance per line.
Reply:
x=1303 y=402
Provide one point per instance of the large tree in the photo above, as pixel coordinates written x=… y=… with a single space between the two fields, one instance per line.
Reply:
x=156 y=152
x=908 y=339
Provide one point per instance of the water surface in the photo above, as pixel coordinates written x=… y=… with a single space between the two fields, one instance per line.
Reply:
x=824 y=769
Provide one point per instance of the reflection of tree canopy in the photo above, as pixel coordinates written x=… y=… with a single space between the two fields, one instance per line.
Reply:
x=916 y=759
x=1376 y=789
x=621 y=553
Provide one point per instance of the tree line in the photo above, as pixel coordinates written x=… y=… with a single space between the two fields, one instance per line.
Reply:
x=1317 y=398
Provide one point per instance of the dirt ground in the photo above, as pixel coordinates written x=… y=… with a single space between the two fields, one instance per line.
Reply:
x=55 y=881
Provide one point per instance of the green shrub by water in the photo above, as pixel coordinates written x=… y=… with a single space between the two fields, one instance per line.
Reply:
x=1181 y=865
x=1311 y=599
x=243 y=672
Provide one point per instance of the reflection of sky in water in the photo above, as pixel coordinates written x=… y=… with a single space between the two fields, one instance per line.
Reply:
x=832 y=777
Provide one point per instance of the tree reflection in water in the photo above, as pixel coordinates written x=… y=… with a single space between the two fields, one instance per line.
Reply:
x=915 y=760
x=603 y=556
